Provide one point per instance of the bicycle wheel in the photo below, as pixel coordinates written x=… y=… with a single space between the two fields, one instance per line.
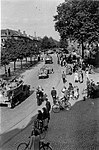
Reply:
x=67 y=106
x=56 y=108
x=45 y=147
x=22 y=146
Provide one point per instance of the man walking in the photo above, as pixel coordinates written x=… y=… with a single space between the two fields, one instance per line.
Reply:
x=54 y=94
x=48 y=107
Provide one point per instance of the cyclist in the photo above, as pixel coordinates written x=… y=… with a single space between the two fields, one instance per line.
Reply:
x=48 y=107
x=76 y=92
x=54 y=94
x=45 y=118
x=35 y=134
x=76 y=78
x=39 y=121
x=39 y=95
x=39 y=116
x=64 y=77
x=35 y=131
x=70 y=90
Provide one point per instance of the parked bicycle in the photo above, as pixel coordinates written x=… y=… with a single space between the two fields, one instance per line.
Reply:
x=28 y=146
x=61 y=104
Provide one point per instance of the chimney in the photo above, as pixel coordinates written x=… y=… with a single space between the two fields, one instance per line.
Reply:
x=19 y=31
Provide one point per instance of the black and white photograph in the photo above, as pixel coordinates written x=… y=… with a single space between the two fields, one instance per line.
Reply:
x=49 y=75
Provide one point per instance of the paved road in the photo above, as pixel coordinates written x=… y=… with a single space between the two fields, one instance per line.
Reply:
x=16 y=123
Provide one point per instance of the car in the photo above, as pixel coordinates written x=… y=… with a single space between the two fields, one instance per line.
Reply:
x=43 y=73
x=50 y=52
x=48 y=59
x=49 y=69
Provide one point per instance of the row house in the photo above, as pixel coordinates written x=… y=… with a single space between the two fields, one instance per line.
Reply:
x=9 y=34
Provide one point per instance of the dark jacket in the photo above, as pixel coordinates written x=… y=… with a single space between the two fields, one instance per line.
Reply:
x=48 y=106
x=39 y=116
x=44 y=114
x=53 y=92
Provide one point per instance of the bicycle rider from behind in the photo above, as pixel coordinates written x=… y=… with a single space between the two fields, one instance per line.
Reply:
x=71 y=89
x=65 y=93
x=64 y=77
x=39 y=92
x=54 y=94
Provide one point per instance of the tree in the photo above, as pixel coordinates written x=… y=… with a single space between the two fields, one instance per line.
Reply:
x=78 y=20
x=45 y=42
x=5 y=59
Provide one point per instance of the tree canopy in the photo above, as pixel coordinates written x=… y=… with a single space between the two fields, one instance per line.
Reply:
x=77 y=19
x=49 y=43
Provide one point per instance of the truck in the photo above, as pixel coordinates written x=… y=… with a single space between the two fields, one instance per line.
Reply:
x=13 y=93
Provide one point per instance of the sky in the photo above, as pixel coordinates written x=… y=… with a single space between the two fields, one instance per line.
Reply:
x=30 y=16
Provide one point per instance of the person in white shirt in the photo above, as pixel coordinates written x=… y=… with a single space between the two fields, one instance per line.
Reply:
x=76 y=77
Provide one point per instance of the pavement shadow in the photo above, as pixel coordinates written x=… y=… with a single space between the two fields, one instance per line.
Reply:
x=73 y=129
x=23 y=99
x=16 y=136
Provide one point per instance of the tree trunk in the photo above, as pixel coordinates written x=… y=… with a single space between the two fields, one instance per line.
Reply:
x=82 y=49
x=31 y=59
x=26 y=60
x=5 y=70
x=14 y=65
x=21 y=64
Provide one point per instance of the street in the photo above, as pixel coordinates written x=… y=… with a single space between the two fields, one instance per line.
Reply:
x=76 y=129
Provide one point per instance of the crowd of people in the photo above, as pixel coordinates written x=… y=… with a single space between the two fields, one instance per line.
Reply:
x=80 y=70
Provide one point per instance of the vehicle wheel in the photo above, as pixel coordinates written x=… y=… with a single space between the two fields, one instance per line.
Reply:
x=45 y=147
x=22 y=146
x=56 y=108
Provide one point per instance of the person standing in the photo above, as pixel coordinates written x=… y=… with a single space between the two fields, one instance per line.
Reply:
x=38 y=122
x=48 y=107
x=87 y=73
x=54 y=94
x=76 y=78
x=9 y=72
x=82 y=77
x=45 y=117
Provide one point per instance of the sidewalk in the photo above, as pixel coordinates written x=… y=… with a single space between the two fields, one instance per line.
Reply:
x=18 y=69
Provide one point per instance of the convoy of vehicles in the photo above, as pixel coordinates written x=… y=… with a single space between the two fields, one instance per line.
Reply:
x=13 y=92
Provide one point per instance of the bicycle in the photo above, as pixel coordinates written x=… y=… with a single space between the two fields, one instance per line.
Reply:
x=61 y=104
x=27 y=146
